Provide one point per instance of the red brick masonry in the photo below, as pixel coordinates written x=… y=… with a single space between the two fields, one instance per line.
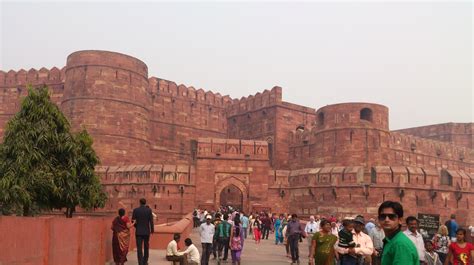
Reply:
x=182 y=147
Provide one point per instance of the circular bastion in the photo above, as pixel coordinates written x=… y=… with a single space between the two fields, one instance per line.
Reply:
x=352 y=115
x=107 y=93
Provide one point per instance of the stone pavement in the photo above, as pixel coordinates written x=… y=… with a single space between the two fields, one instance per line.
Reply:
x=266 y=253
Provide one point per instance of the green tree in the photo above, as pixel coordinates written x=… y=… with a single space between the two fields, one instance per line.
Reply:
x=87 y=190
x=44 y=166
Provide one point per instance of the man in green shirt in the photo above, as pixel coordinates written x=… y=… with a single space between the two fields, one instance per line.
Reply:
x=223 y=237
x=398 y=249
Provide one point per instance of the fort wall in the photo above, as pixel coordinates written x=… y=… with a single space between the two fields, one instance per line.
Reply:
x=266 y=117
x=181 y=147
x=327 y=191
x=181 y=113
x=224 y=163
x=107 y=94
x=166 y=186
x=460 y=134
x=345 y=139
x=13 y=87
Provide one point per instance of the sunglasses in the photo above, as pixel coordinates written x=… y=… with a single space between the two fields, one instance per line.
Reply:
x=391 y=216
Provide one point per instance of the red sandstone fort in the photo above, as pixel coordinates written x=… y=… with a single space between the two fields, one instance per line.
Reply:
x=181 y=147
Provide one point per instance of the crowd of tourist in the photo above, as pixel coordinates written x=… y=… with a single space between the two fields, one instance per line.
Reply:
x=330 y=240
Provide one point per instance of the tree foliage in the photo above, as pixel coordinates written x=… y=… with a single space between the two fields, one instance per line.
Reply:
x=42 y=164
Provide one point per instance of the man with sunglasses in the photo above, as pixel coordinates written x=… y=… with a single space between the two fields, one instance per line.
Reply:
x=398 y=249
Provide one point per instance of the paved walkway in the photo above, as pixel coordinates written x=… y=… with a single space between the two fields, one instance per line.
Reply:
x=265 y=253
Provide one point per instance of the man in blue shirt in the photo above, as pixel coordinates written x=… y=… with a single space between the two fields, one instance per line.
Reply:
x=245 y=224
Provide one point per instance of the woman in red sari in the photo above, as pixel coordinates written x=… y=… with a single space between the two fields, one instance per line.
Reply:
x=121 y=237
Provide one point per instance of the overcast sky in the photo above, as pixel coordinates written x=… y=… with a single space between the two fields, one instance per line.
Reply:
x=415 y=58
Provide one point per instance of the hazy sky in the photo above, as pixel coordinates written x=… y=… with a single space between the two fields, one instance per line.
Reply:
x=414 y=57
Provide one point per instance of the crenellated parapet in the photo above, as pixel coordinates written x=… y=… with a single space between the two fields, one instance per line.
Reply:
x=255 y=102
x=161 y=87
x=33 y=77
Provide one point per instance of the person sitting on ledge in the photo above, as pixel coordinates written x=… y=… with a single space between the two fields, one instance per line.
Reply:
x=172 y=253
x=191 y=253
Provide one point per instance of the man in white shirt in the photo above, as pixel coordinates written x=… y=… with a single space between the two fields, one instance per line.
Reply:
x=415 y=237
x=207 y=231
x=172 y=253
x=191 y=252
x=311 y=228
x=364 y=245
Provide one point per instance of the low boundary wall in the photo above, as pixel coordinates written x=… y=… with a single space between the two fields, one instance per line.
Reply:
x=75 y=241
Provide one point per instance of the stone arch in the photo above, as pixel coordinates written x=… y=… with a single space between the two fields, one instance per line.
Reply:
x=221 y=185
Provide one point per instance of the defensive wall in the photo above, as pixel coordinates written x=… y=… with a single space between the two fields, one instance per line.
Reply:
x=182 y=147
x=460 y=134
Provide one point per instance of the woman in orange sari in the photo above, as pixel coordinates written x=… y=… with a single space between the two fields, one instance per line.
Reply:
x=121 y=237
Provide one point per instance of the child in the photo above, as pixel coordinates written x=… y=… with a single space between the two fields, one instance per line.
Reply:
x=346 y=239
x=431 y=257
x=345 y=235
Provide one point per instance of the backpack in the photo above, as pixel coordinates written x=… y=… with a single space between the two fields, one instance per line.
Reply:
x=236 y=243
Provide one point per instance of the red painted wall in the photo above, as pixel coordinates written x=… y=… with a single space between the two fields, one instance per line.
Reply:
x=75 y=241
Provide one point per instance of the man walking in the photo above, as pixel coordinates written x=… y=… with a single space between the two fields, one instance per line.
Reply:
x=207 y=234
x=215 y=240
x=143 y=229
x=245 y=224
x=294 y=232
x=223 y=237
x=311 y=228
x=398 y=249
x=266 y=224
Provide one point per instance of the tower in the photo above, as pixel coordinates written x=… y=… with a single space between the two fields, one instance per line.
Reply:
x=107 y=93
x=351 y=134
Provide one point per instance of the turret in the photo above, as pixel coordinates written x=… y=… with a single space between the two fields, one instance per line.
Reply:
x=107 y=93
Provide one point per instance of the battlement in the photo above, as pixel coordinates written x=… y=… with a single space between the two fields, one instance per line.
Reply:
x=169 y=88
x=254 y=102
x=232 y=149
x=34 y=77
x=443 y=150
x=456 y=133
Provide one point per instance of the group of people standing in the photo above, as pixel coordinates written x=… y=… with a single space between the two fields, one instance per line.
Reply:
x=222 y=232
x=384 y=242
x=350 y=241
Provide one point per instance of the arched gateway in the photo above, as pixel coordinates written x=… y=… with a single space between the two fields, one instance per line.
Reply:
x=232 y=196
x=233 y=192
